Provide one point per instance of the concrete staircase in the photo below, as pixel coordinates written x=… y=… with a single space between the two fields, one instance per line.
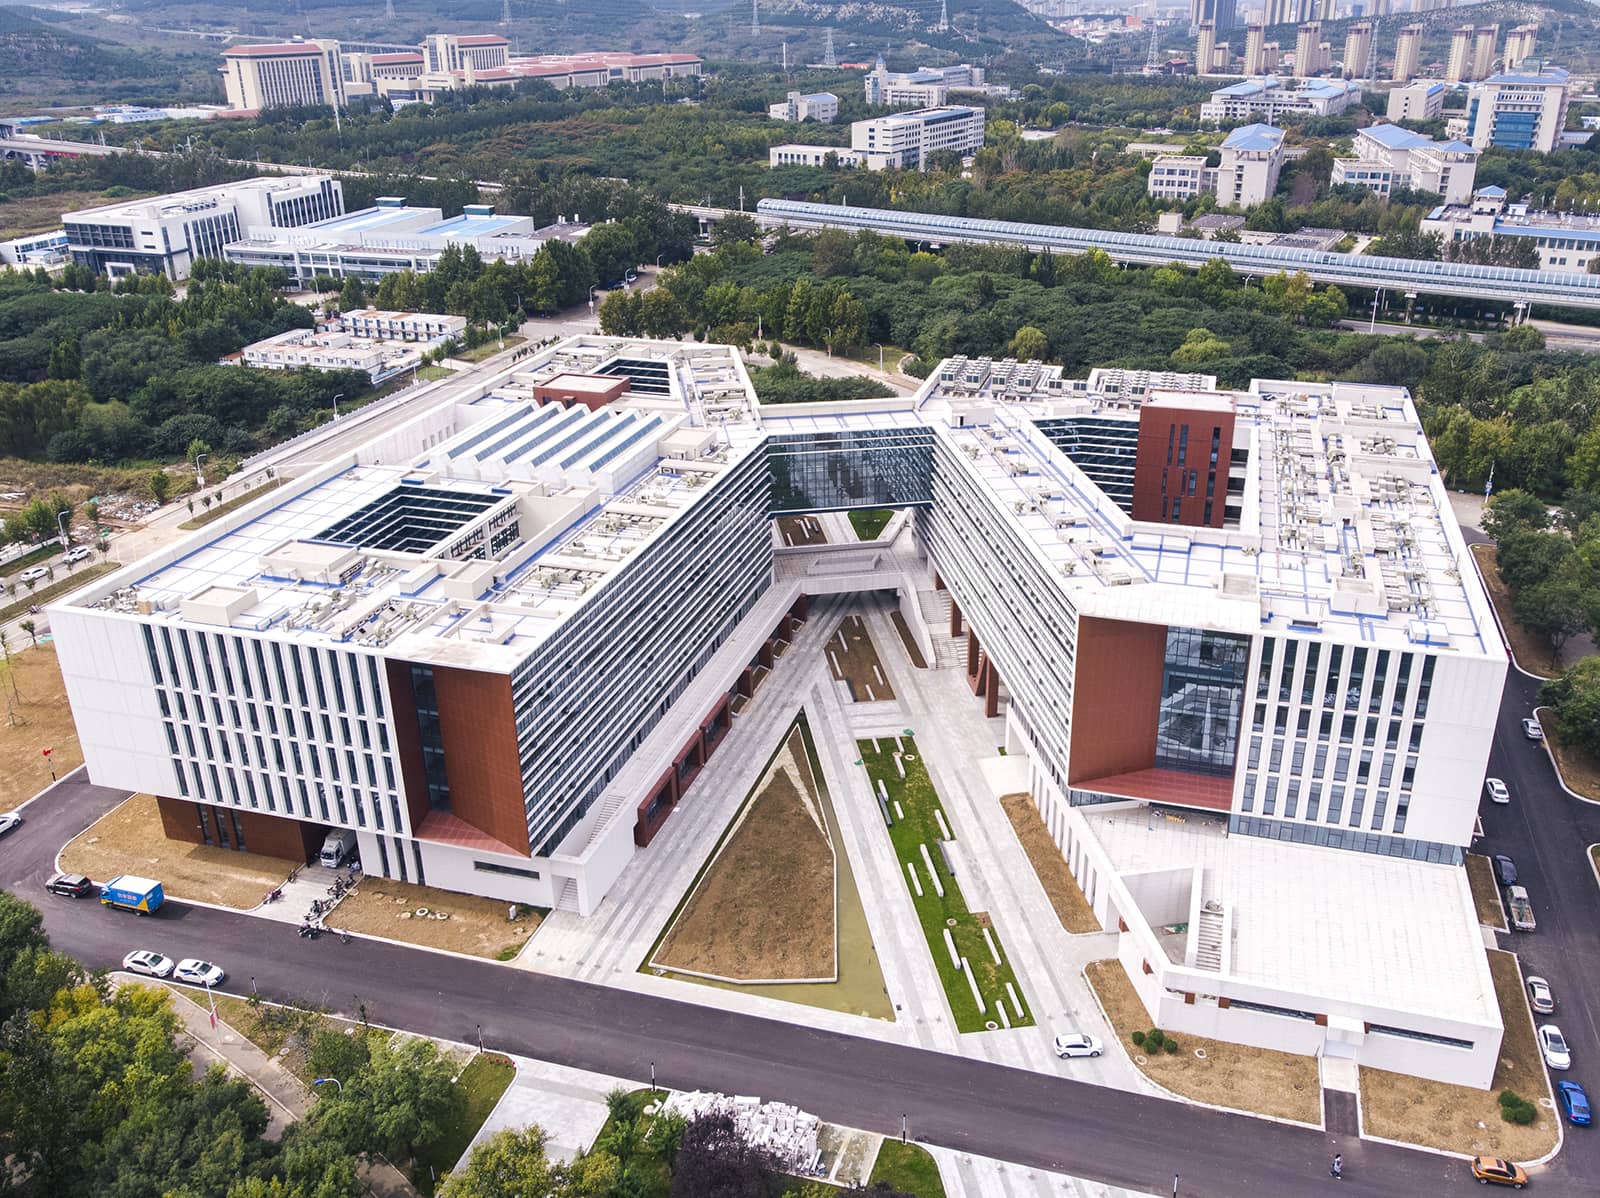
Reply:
x=1209 y=937
x=567 y=896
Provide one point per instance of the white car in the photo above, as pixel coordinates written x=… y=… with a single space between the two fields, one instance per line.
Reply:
x=197 y=972
x=148 y=963
x=34 y=573
x=1497 y=790
x=8 y=821
x=1554 y=1047
x=78 y=553
x=1530 y=727
x=1540 y=996
x=1077 y=1044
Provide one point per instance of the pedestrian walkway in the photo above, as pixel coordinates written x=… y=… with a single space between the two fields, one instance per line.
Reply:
x=968 y=1176
x=569 y=1104
x=286 y=1097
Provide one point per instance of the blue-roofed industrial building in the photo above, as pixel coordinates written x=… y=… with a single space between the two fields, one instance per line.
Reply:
x=1268 y=97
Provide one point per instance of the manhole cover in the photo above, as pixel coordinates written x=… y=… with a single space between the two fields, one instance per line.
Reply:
x=950 y=922
x=991 y=1025
x=1140 y=1061
x=1200 y=1054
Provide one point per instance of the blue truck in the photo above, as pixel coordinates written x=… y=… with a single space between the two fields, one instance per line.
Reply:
x=133 y=894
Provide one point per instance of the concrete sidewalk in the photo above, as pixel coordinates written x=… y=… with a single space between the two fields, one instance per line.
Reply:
x=287 y=1098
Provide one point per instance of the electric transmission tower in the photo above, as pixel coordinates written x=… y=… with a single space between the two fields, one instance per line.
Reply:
x=388 y=9
x=828 y=58
x=755 y=18
x=1151 y=53
x=505 y=12
x=944 y=16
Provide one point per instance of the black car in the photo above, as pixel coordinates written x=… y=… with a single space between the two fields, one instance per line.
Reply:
x=1506 y=868
x=71 y=885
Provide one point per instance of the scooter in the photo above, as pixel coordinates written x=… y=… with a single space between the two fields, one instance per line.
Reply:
x=274 y=894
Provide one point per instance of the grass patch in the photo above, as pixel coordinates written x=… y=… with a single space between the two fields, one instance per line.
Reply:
x=56 y=589
x=33 y=557
x=36 y=717
x=1532 y=652
x=1066 y=897
x=1416 y=1111
x=23 y=216
x=869 y=523
x=909 y=1168
x=481 y=1084
x=1485 y=891
x=427 y=374
x=1579 y=769
x=285 y=1033
x=218 y=510
x=487 y=350
x=919 y=802
x=1283 y=1085
x=913 y=650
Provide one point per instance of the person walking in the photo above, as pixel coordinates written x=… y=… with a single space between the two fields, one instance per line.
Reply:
x=1337 y=1170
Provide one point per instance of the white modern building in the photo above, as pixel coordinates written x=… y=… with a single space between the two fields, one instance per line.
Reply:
x=303 y=349
x=1389 y=157
x=390 y=237
x=1567 y=241
x=1243 y=672
x=795 y=154
x=165 y=234
x=907 y=140
x=1269 y=98
x=1522 y=110
x=382 y=325
x=1420 y=101
x=926 y=87
x=37 y=249
x=1251 y=160
x=808 y=106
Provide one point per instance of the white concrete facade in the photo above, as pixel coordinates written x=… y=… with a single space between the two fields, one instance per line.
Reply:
x=1389 y=157
x=907 y=140
x=822 y=107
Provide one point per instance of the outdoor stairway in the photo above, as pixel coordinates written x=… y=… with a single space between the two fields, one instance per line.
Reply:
x=567 y=896
x=1208 y=937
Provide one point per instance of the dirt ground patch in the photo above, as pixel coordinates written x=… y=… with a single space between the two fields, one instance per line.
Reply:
x=34 y=717
x=763 y=910
x=129 y=839
x=1459 y=1118
x=1530 y=651
x=1072 y=909
x=1281 y=1084
x=913 y=651
x=378 y=906
x=853 y=658
x=40 y=214
x=801 y=530
x=1579 y=769
x=1485 y=891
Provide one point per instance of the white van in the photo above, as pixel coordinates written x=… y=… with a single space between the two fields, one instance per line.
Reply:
x=337 y=848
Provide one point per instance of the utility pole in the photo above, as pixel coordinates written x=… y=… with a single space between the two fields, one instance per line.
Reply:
x=755 y=18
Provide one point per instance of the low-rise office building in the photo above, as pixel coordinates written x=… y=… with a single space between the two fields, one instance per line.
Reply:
x=926 y=87
x=1566 y=241
x=384 y=325
x=37 y=249
x=907 y=140
x=1269 y=98
x=166 y=234
x=300 y=349
x=810 y=106
x=1242 y=673
x=1420 y=101
x=1389 y=157
x=390 y=237
x=794 y=154
x=1251 y=160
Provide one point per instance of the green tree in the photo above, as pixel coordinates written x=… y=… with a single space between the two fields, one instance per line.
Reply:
x=662 y=315
x=735 y=227
x=1575 y=699
x=353 y=294
x=612 y=249
x=1556 y=609
x=1514 y=510
x=1029 y=344
x=507 y=1165
x=848 y=319
x=399 y=1101
x=159 y=484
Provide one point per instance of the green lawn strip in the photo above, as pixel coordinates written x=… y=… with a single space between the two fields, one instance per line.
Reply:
x=217 y=510
x=919 y=801
x=33 y=557
x=909 y=1168
x=869 y=523
x=482 y=1083
x=487 y=350
x=57 y=589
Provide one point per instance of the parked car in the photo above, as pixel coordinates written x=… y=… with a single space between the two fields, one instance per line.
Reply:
x=1574 y=1103
x=1078 y=1044
x=77 y=553
x=1540 y=996
x=70 y=885
x=197 y=972
x=34 y=573
x=1532 y=729
x=1497 y=790
x=8 y=821
x=1491 y=1170
x=151 y=964
x=1505 y=869
x=1554 y=1047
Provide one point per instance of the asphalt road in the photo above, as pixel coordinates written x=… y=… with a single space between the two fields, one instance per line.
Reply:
x=1036 y=1120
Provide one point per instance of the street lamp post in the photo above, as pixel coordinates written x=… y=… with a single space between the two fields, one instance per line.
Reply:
x=879 y=347
x=199 y=479
x=658 y=261
x=827 y=337
x=61 y=523
x=336 y=400
x=322 y=1081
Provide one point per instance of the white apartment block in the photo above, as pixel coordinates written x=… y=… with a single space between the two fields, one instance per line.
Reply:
x=1566 y=241
x=1268 y=98
x=1252 y=158
x=1389 y=157
x=906 y=140
x=1520 y=45
x=300 y=349
x=1407 y=51
x=165 y=234
x=809 y=106
x=382 y=325
x=1420 y=101
x=1523 y=110
x=794 y=154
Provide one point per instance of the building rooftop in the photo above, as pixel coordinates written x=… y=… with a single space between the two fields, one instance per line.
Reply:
x=273 y=49
x=1389 y=933
x=1548 y=77
x=932 y=114
x=199 y=198
x=1265 y=138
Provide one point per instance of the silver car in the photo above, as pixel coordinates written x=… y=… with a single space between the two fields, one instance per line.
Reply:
x=151 y=964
